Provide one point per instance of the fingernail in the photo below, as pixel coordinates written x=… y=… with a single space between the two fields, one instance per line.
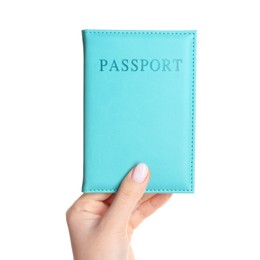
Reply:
x=140 y=172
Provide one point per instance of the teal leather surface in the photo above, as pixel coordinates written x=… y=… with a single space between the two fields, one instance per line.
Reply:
x=139 y=106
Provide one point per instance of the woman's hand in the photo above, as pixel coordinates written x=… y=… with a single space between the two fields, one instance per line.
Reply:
x=101 y=225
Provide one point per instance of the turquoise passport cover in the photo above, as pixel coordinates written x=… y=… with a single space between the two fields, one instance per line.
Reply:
x=139 y=106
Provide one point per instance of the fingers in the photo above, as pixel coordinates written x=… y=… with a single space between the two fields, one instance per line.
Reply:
x=129 y=193
x=146 y=197
x=148 y=207
x=94 y=196
x=89 y=203
x=110 y=199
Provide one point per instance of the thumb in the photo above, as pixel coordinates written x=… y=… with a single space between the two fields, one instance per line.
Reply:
x=129 y=193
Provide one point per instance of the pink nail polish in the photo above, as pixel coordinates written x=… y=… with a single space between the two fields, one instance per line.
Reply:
x=140 y=172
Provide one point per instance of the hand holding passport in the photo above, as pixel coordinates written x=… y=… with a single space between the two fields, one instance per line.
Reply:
x=101 y=225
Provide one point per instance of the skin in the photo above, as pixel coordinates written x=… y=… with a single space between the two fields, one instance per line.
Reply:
x=101 y=225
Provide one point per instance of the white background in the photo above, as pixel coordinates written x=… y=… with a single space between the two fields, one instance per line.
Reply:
x=41 y=131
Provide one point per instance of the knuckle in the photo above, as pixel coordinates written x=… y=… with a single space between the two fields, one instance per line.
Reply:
x=141 y=214
x=153 y=204
x=71 y=213
x=68 y=214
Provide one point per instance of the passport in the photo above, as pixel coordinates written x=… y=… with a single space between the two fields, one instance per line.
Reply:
x=139 y=106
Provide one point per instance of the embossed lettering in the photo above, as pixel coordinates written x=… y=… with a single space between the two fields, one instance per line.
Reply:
x=125 y=65
x=155 y=65
x=113 y=65
x=134 y=65
x=177 y=64
x=103 y=63
x=144 y=63
x=166 y=64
